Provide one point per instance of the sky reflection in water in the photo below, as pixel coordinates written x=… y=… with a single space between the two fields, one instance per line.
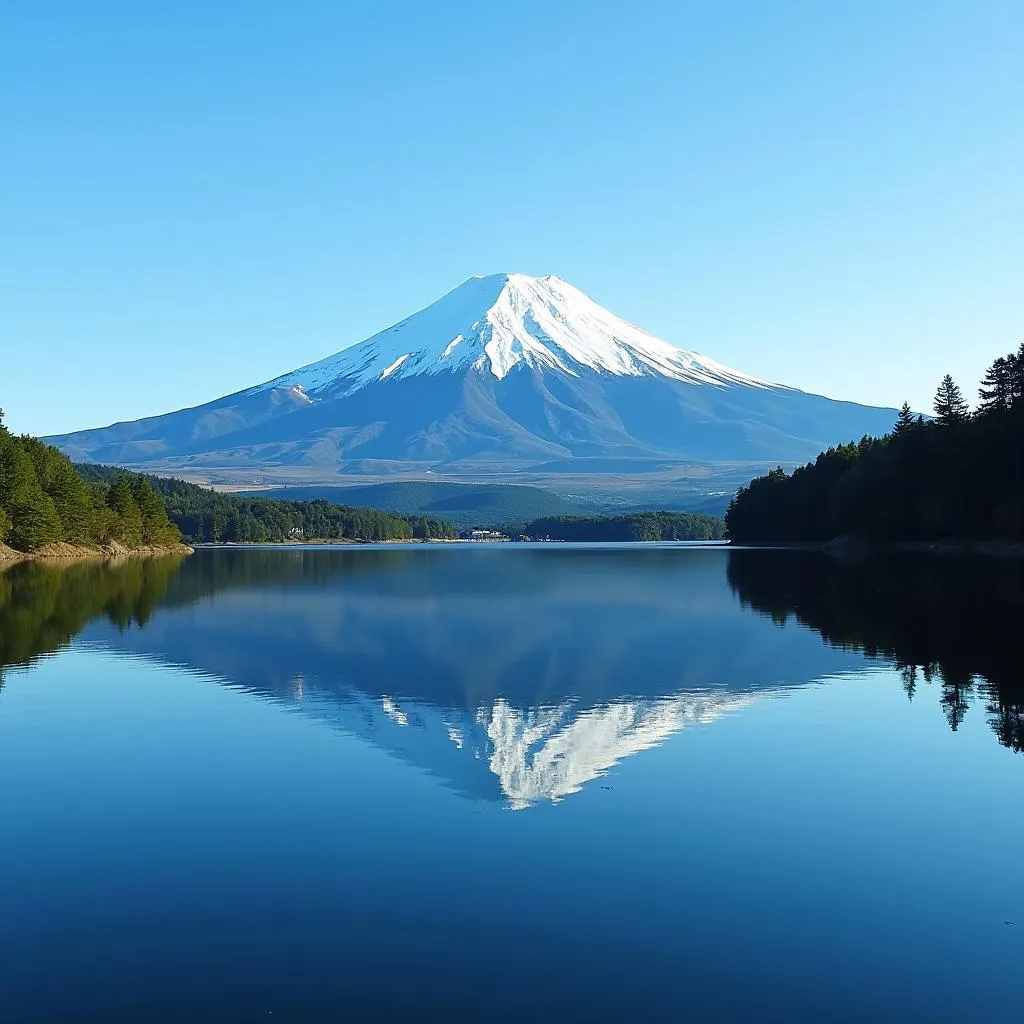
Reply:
x=288 y=790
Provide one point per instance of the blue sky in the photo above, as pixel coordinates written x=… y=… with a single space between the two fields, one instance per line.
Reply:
x=197 y=197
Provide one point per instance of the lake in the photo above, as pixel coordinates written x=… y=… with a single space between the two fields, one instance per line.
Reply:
x=512 y=782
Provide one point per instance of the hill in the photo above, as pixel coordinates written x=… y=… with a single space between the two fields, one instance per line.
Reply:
x=464 y=505
x=208 y=516
x=639 y=526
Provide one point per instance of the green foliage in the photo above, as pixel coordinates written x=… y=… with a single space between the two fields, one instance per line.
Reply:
x=207 y=516
x=950 y=407
x=1003 y=384
x=463 y=505
x=995 y=387
x=43 y=499
x=905 y=421
x=157 y=528
x=33 y=518
x=127 y=519
x=636 y=526
x=923 y=482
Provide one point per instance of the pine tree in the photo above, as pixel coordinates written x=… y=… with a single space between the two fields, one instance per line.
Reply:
x=103 y=520
x=156 y=527
x=1015 y=377
x=995 y=390
x=950 y=407
x=33 y=519
x=905 y=421
x=127 y=524
x=68 y=491
x=73 y=501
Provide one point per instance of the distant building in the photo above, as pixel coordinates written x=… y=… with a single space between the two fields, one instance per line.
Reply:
x=482 y=535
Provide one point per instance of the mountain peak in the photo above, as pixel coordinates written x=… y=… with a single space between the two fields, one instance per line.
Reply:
x=498 y=322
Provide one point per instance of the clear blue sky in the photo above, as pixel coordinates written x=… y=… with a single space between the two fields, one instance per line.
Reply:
x=196 y=197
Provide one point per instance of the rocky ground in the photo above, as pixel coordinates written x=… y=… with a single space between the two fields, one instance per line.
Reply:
x=61 y=551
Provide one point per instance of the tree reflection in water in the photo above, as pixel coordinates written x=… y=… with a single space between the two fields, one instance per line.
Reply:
x=941 y=619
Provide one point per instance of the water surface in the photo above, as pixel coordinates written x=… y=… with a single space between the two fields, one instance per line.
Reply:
x=511 y=782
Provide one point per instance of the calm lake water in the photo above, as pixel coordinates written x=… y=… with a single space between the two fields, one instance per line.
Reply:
x=505 y=782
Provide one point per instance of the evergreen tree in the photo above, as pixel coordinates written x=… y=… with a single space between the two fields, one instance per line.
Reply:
x=43 y=499
x=103 y=518
x=995 y=390
x=935 y=483
x=905 y=421
x=68 y=491
x=156 y=527
x=950 y=407
x=34 y=521
x=127 y=524
x=72 y=499
x=1015 y=376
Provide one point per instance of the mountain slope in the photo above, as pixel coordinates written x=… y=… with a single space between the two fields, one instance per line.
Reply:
x=505 y=370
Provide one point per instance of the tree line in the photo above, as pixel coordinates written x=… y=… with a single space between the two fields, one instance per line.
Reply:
x=44 y=500
x=958 y=475
x=634 y=526
x=205 y=516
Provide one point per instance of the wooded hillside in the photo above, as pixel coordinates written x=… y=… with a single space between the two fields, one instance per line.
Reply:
x=208 y=516
x=44 y=500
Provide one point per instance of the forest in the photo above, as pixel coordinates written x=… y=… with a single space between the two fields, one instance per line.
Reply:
x=205 y=516
x=635 y=526
x=958 y=475
x=44 y=500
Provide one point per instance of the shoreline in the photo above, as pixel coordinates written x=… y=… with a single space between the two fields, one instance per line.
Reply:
x=219 y=545
x=64 y=553
x=464 y=541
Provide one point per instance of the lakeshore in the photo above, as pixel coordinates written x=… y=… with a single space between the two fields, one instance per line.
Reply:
x=62 y=552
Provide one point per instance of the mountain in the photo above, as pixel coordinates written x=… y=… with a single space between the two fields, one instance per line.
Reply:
x=503 y=373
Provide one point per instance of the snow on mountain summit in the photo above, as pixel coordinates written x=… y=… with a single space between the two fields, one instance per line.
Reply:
x=493 y=324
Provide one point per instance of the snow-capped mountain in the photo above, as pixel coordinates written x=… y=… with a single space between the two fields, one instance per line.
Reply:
x=495 y=324
x=506 y=370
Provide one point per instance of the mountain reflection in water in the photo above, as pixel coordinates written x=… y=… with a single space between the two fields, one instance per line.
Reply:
x=517 y=673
